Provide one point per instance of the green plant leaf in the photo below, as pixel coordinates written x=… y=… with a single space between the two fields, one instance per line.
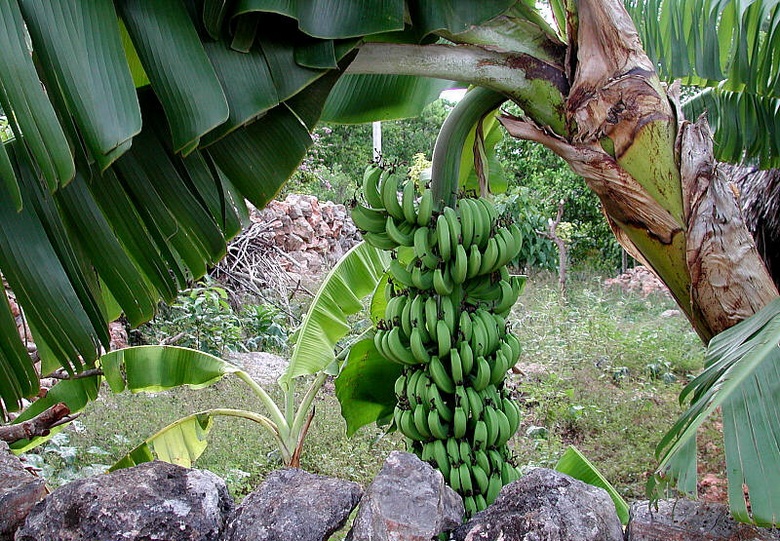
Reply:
x=365 y=387
x=82 y=56
x=742 y=378
x=177 y=66
x=364 y=98
x=454 y=15
x=8 y=184
x=158 y=368
x=180 y=443
x=332 y=19
x=18 y=378
x=258 y=159
x=574 y=464
x=340 y=295
x=74 y=393
x=24 y=100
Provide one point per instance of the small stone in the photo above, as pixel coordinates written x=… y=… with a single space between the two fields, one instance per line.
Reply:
x=19 y=492
x=293 y=505
x=546 y=505
x=408 y=500
x=686 y=520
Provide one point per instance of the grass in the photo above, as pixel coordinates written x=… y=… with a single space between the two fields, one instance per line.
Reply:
x=601 y=371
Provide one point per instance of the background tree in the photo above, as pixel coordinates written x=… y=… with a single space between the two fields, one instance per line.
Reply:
x=141 y=126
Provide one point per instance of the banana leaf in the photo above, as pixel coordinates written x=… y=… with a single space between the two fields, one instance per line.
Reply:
x=340 y=295
x=574 y=464
x=364 y=386
x=742 y=377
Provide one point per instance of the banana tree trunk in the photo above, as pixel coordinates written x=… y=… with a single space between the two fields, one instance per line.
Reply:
x=661 y=189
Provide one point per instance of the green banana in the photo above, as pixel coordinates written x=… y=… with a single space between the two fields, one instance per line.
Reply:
x=470 y=506
x=420 y=416
x=389 y=192
x=499 y=368
x=443 y=338
x=480 y=502
x=466 y=485
x=438 y=430
x=443 y=238
x=506 y=300
x=437 y=403
x=422 y=278
x=399 y=351
x=408 y=428
x=371 y=177
x=442 y=282
x=512 y=412
x=431 y=316
x=441 y=457
x=475 y=403
x=453 y=450
x=439 y=375
x=455 y=479
x=481 y=459
x=459 y=422
x=489 y=257
x=425 y=208
x=453 y=223
x=456 y=367
x=417 y=347
x=401 y=233
x=466 y=222
x=480 y=435
x=465 y=327
x=380 y=240
x=481 y=378
x=408 y=197
x=369 y=220
x=474 y=261
x=400 y=274
x=494 y=487
x=504 y=429
x=459 y=265
x=466 y=358
x=480 y=477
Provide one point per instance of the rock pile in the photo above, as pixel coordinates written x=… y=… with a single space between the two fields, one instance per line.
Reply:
x=640 y=280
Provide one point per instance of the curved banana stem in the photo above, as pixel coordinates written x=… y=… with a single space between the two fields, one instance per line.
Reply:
x=449 y=143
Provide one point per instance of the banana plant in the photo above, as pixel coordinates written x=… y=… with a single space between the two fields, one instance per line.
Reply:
x=159 y=368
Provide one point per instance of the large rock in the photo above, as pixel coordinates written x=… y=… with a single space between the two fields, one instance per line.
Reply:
x=153 y=501
x=686 y=520
x=293 y=505
x=546 y=505
x=19 y=491
x=408 y=500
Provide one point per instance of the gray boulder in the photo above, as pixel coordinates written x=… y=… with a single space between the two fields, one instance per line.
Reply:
x=686 y=520
x=293 y=505
x=19 y=491
x=408 y=500
x=546 y=505
x=149 y=502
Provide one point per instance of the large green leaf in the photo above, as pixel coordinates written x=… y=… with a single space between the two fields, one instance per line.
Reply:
x=332 y=19
x=454 y=15
x=82 y=56
x=158 y=368
x=741 y=378
x=43 y=272
x=574 y=464
x=363 y=98
x=18 y=378
x=178 y=68
x=365 y=387
x=740 y=122
x=75 y=394
x=340 y=295
x=33 y=117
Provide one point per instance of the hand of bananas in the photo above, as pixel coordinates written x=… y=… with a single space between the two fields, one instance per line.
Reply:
x=446 y=322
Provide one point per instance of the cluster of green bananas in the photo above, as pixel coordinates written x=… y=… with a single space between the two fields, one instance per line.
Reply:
x=448 y=297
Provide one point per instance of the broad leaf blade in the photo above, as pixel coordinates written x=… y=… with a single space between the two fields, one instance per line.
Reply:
x=21 y=93
x=574 y=464
x=178 y=68
x=159 y=368
x=81 y=49
x=364 y=98
x=365 y=386
x=742 y=378
x=332 y=19
x=18 y=378
x=340 y=295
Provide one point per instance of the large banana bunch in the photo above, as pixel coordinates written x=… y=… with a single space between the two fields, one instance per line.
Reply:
x=448 y=295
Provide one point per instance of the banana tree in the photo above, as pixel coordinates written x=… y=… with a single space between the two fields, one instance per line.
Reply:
x=142 y=126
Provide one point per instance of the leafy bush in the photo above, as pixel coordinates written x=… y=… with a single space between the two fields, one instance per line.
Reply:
x=202 y=318
x=522 y=208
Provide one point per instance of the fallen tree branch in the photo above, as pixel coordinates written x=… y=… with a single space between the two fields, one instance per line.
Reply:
x=40 y=425
x=62 y=374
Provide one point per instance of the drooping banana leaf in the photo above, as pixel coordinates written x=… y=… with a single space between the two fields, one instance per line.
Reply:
x=18 y=378
x=81 y=55
x=574 y=464
x=365 y=387
x=28 y=109
x=340 y=295
x=742 y=377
